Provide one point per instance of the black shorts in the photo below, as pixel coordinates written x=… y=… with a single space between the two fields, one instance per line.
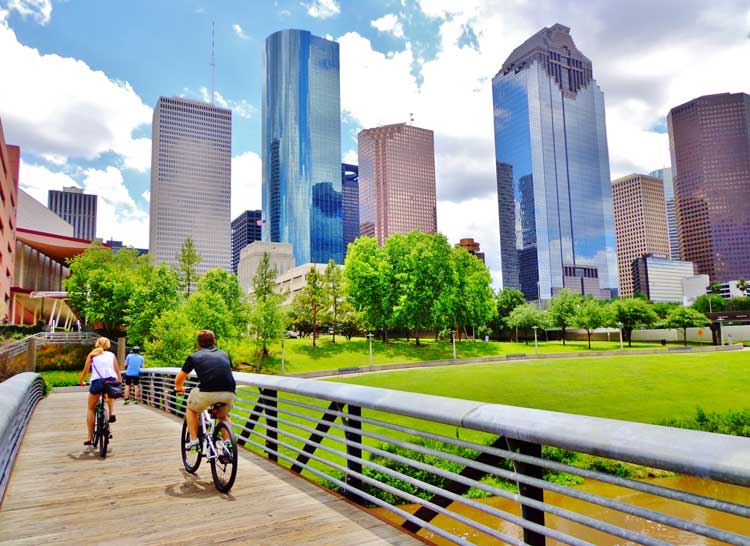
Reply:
x=97 y=385
x=132 y=379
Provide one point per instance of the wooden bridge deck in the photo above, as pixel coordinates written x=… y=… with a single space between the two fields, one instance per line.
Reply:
x=60 y=492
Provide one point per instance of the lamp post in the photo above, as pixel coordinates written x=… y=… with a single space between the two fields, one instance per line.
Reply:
x=619 y=327
x=282 y=354
x=536 y=345
x=369 y=337
x=453 y=341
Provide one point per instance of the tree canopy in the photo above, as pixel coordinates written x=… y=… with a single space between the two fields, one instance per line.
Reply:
x=187 y=259
x=562 y=310
x=684 y=318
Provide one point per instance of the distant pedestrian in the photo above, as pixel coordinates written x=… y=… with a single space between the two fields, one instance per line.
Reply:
x=133 y=365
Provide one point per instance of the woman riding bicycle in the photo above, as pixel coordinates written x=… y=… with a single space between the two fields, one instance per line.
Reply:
x=103 y=365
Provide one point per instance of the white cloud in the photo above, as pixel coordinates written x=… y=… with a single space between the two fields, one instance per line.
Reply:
x=285 y=13
x=322 y=9
x=37 y=180
x=240 y=32
x=59 y=107
x=241 y=107
x=351 y=157
x=246 y=183
x=390 y=24
x=146 y=196
x=39 y=10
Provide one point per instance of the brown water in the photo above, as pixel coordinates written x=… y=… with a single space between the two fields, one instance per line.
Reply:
x=736 y=524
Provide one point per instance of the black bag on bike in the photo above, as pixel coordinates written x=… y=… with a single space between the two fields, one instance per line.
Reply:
x=113 y=389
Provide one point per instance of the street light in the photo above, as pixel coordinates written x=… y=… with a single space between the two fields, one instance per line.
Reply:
x=282 y=353
x=369 y=337
x=619 y=326
x=721 y=331
x=536 y=345
x=453 y=340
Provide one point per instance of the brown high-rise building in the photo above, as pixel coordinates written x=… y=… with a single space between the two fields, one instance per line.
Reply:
x=640 y=223
x=472 y=247
x=396 y=181
x=709 y=138
x=10 y=158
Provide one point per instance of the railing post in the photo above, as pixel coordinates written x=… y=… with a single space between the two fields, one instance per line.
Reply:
x=354 y=451
x=121 y=351
x=536 y=493
x=31 y=355
x=270 y=396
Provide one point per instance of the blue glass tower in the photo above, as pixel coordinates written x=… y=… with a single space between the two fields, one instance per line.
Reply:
x=554 y=195
x=350 y=202
x=302 y=146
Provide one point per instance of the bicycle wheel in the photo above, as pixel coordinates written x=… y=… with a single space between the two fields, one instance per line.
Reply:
x=224 y=466
x=191 y=459
x=104 y=432
x=97 y=427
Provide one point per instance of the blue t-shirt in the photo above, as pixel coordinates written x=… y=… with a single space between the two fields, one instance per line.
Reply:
x=133 y=363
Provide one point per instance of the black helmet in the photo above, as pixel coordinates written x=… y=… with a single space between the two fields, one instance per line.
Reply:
x=136 y=349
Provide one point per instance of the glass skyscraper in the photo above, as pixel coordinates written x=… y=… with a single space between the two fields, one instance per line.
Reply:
x=552 y=164
x=302 y=146
x=350 y=202
x=674 y=243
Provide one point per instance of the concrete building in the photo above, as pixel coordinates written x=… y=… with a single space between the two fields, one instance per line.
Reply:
x=302 y=145
x=246 y=229
x=693 y=288
x=34 y=216
x=709 y=140
x=76 y=208
x=281 y=257
x=584 y=280
x=659 y=278
x=472 y=247
x=293 y=281
x=731 y=289
x=350 y=203
x=552 y=165
x=640 y=224
x=396 y=181
x=191 y=168
x=116 y=246
x=665 y=175
x=10 y=158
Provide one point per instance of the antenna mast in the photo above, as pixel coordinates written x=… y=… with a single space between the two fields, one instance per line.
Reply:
x=213 y=63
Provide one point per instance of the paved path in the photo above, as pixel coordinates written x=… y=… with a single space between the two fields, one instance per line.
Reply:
x=62 y=493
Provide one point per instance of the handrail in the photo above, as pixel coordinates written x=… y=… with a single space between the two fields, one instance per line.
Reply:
x=281 y=425
x=18 y=397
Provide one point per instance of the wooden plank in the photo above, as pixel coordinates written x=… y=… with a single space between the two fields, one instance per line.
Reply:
x=62 y=492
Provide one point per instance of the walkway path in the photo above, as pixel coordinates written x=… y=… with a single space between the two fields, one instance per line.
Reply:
x=62 y=493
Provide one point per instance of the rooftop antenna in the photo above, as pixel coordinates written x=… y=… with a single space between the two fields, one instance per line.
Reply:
x=213 y=63
x=411 y=118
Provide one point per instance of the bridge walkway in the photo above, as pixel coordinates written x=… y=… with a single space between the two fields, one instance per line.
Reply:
x=61 y=492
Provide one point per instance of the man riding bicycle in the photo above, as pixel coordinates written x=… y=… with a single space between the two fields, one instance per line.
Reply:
x=216 y=383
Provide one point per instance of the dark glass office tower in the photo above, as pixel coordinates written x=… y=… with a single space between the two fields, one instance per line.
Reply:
x=552 y=164
x=302 y=145
x=350 y=201
x=709 y=139
x=76 y=208
x=246 y=229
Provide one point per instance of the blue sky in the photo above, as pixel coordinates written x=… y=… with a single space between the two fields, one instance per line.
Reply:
x=84 y=76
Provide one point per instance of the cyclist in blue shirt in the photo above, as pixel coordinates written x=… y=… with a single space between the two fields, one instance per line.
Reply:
x=133 y=364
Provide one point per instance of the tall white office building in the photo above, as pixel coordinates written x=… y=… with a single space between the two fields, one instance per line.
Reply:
x=191 y=171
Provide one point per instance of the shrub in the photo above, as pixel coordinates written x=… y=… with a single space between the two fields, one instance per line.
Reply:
x=50 y=356
x=734 y=422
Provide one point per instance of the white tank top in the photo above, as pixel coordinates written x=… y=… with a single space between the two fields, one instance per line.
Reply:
x=103 y=366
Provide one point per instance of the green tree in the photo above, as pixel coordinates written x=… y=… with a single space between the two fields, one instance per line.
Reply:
x=714 y=287
x=684 y=318
x=562 y=310
x=743 y=286
x=350 y=320
x=101 y=284
x=313 y=294
x=662 y=309
x=206 y=310
x=709 y=303
x=334 y=291
x=738 y=304
x=187 y=259
x=631 y=313
x=370 y=284
x=227 y=287
x=173 y=339
x=507 y=300
x=471 y=295
x=158 y=292
x=527 y=316
x=590 y=315
x=267 y=318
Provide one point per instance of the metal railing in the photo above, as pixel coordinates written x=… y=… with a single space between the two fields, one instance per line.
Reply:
x=18 y=397
x=345 y=436
x=20 y=346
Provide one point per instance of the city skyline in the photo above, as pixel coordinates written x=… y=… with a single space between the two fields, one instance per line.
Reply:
x=430 y=55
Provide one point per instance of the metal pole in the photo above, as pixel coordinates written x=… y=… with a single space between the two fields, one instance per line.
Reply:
x=369 y=337
x=453 y=340
x=536 y=344
x=282 y=355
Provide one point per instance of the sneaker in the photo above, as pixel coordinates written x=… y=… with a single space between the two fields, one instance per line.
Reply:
x=193 y=446
x=112 y=418
x=136 y=401
x=127 y=402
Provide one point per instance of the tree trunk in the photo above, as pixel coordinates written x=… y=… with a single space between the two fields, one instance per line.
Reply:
x=563 y=334
x=416 y=335
x=333 y=340
x=588 y=332
x=315 y=324
x=684 y=336
x=629 y=335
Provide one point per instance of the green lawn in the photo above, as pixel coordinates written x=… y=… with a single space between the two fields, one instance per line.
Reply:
x=646 y=388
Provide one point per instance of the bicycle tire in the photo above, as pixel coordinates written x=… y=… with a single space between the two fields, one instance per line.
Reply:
x=224 y=466
x=97 y=427
x=104 y=434
x=190 y=460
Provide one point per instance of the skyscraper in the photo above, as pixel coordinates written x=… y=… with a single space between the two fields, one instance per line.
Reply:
x=246 y=229
x=191 y=170
x=396 y=181
x=302 y=145
x=709 y=139
x=76 y=208
x=665 y=175
x=552 y=165
x=640 y=223
x=350 y=203
x=10 y=159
